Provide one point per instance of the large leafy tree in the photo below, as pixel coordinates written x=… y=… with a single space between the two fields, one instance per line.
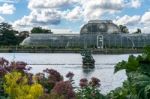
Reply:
x=137 y=85
x=138 y=31
x=40 y=30
x=7 y=35
x=123 y=29
x=22 y=35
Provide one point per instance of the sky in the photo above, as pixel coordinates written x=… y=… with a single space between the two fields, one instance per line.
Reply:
x=70 y=15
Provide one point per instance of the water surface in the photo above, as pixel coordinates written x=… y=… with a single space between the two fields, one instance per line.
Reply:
x=65 y=62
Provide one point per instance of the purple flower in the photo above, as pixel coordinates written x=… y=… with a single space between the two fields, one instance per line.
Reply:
x=53 y=75
x=95 y=82
x=70 y=75
x=64 y=88
x=83 y=80
x=83 y=83
x=19 y=65
x=3 y=62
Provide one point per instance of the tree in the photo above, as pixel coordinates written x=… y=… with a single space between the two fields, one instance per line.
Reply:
x=8 y=35
x=123 y=29
x=138 y=31
x=40 y=30
x=4 y=27
x=22 y=35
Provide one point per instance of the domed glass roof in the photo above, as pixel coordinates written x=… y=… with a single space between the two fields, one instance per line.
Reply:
x=99 y=26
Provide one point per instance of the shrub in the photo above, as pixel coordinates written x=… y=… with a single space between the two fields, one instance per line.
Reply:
x=89 y=90
x=64 y=88
x=17 y=87
x=137 y=85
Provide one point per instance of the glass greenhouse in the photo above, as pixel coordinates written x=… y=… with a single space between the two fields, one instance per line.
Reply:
x=94 y=34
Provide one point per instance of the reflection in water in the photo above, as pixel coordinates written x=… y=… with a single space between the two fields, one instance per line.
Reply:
x=87 y=72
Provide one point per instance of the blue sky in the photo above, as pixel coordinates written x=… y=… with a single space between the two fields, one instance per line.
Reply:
x=70 y=15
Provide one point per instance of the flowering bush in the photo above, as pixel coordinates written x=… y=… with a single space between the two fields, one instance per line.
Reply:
x=49 y=82
x=89 y=90
x=95 y=82
x=17 y=83
x=8 y=67
x=53 y=75
x=64 y=88
x=83 y=83
x=89 y=93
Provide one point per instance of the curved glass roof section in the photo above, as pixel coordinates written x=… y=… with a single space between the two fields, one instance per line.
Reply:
x=99 y=26
x=26 y=41
x=46 y=39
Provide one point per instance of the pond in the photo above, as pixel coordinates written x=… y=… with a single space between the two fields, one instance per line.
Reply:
x=65 y=62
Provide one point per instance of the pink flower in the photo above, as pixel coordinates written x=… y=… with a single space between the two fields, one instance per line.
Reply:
x=95 y=82
x=70 y=75
x=83 y=83
x=53 y=75
x=64 y=88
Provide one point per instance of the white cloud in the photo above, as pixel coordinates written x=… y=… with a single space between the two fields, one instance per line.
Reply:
x=132 y=22
x=135 y=3
x=46 y=13
x=146 y=29
x=46 y=17
x=51 y=12
x=90 y=9
x=94 y=9
x=39 y=18
x=7 y=9
x=9 y=1
x=136 y=21
x=74 y=14
x=2 y=19
x=57 y=4
x=146 y=18
x=128 y=20
x=61 y=31
x=145 y=21
x=132 y=30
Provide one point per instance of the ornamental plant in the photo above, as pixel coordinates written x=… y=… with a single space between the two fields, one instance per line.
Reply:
x=49 y=81
x=17 y=83
x=137 y=85
x=17 y=87
x=89 y=90
x=8 y=67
